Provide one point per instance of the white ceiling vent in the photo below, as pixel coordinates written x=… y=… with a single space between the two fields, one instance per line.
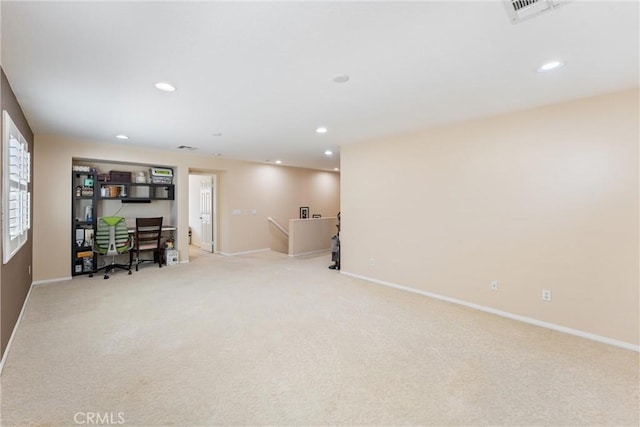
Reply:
x=520 y=10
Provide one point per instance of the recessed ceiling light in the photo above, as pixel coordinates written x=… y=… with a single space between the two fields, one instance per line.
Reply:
x=328 y=152
x=217 y=154
x=121 y=136
x=552 y=65
x=321 y=129
x=336 y=169
x=342 y=78
x=278 y=162
x=165 y=87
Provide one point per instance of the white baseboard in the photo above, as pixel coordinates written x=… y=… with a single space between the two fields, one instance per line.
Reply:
x=15 y=328
x=311 y=253
x=529 y=320
x=245 y=252
x=43 y=282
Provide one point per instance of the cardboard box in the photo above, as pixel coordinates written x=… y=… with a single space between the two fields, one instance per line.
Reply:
x=171 y=257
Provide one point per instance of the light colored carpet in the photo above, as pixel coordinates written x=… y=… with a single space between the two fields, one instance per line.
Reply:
x=264 y=339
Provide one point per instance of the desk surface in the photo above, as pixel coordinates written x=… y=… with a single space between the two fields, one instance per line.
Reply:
x=164 y=228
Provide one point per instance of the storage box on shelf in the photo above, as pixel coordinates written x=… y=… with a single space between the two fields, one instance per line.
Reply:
x=118 y=176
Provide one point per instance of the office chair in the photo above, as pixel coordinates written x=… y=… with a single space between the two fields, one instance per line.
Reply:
x=147 y=238
x=111 y=239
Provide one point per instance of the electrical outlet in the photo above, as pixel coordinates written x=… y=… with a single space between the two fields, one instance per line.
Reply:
x=546 y=295
x=494 y=285
x=372 y=262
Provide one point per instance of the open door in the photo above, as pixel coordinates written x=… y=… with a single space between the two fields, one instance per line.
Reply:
x=206 y=213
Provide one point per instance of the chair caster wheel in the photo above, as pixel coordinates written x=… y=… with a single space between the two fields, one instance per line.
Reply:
x=106 y=277
x=129 y=272
x=91 y=275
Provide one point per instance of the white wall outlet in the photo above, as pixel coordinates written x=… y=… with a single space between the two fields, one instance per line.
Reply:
x=546 y=295
x=372 y=262
x=493 y=285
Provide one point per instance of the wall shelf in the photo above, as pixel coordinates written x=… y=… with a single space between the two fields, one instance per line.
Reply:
x=83 y=226
x=88 y=190
x=129 y=200
x=137 y=192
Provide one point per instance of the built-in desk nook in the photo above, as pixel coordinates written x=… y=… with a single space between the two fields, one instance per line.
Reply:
x=101 y=189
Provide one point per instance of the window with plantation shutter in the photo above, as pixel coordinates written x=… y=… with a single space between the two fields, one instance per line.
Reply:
x=16 y=198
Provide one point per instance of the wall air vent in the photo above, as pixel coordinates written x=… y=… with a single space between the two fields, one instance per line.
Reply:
x=187 y=147
x=520 y=10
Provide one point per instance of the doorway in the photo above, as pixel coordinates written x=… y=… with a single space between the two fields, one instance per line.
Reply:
x=202 y=211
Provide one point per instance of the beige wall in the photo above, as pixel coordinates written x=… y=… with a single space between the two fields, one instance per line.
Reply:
x=311 y=235
x=269 y=189
x=544 y=198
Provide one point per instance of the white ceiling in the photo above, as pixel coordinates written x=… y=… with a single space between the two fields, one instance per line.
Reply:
x=261 y=73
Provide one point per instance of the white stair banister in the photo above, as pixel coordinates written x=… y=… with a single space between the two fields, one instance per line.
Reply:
x=274 y=222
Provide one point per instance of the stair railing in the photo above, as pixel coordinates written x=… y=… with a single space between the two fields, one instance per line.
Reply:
x=278 y=226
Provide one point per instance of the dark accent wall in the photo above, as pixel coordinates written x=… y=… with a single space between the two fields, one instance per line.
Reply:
x=15 y=278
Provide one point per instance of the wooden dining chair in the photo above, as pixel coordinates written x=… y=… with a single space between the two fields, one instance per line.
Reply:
x=147 y=239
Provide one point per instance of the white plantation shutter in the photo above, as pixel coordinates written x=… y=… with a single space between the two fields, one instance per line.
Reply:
x=16 y=198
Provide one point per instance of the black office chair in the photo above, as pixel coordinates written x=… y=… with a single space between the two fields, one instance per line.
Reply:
x=147 y=238
x=112 y=239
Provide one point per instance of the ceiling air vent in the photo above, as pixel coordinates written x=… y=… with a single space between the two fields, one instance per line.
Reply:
x=520 y=10
x=187 y=147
